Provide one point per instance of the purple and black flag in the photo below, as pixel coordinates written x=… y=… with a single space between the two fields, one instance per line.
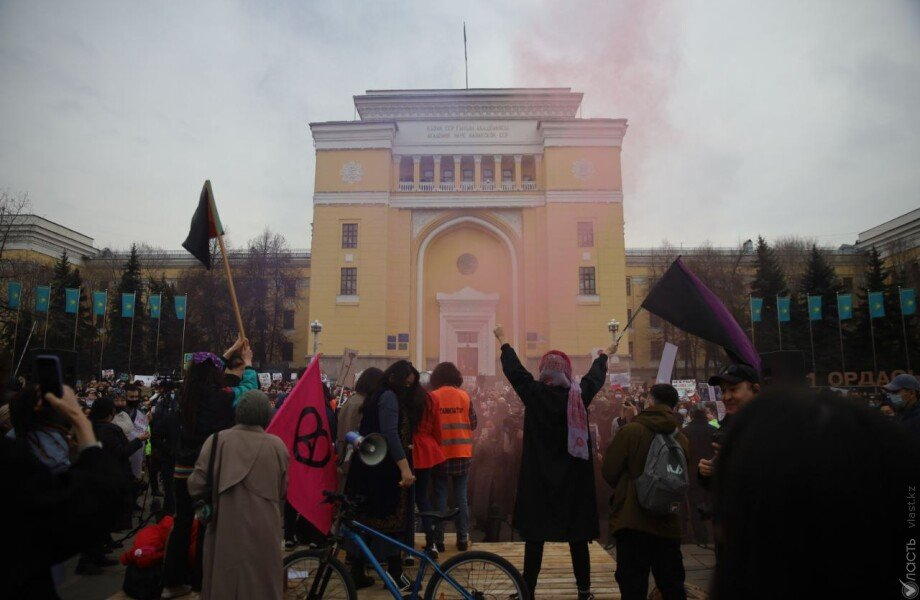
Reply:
x=680 y=298
x=205 y=227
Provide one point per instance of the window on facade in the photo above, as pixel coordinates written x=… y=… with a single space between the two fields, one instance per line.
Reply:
x=349 y=285
x=487 y=175
x=630 y=348
x=288 y=319
x=628 y=315
x=428 y=176
x=290 y=289
x=287 y=351
x=349 y=235
x=467 y=174
x=587 y=285
x=656 y=348
x=654 y=321
x=585 y=234
x=629 y=286
x=448 y=175
x=507 y=175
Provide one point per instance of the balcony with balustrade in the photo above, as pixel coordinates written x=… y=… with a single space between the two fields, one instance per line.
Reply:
x=465 y=173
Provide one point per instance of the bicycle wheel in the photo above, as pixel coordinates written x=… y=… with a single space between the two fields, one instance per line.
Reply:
x=485 y=575
x=305 y=580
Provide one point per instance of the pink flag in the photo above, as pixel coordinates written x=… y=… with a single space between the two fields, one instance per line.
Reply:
x=302 y=425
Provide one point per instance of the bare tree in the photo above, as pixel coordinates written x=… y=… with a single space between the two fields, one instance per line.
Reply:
x=14 y=208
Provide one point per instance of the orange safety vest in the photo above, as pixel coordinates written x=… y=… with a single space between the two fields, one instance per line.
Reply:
x=456 y=430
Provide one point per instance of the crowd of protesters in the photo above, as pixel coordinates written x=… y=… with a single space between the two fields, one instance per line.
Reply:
x=91 y=466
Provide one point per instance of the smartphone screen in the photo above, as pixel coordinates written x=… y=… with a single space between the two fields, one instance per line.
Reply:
x=47 y=371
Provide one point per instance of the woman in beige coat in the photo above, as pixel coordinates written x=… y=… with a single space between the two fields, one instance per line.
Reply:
x=242 y=546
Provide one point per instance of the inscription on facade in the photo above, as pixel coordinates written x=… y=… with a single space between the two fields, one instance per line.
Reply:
x=466 y=131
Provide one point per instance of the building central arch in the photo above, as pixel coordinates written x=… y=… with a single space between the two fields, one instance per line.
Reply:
x=420 y=281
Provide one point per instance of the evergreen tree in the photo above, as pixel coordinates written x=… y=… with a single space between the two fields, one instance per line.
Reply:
x=820 y=279
x=769 y=282
x=117 y=351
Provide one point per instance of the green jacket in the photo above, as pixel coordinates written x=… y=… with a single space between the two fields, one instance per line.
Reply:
x=624 y=461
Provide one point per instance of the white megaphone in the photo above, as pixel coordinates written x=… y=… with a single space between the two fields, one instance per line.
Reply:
x=372 y=448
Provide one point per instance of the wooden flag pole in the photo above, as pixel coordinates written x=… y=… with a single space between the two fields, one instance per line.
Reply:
x=236 y=306
x=182 y=345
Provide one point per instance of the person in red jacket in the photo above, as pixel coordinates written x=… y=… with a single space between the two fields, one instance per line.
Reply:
x=427 y=454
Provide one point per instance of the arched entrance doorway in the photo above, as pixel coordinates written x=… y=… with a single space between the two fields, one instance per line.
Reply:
x=467 y=283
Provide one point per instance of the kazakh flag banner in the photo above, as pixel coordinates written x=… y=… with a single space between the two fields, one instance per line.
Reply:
x=42 y=298
x=908 y=301
x=876 y=305
x=99 y=302
x=814 y=308
x=127 y=305
x=845 y=306
x=13 y=294
x=71 y=300
x=180 y=307
x=784 y=308
x=756 y=309
x=154 y=303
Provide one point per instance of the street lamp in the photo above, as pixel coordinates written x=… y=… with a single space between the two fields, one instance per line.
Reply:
x=316 y=327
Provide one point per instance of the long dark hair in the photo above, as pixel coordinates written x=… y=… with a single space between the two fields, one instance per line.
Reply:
x=799 y=478
x=368 y=381
x=199 y=381
x=412 y=399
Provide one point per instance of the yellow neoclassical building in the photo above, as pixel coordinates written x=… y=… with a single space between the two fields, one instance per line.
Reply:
x=441 y=213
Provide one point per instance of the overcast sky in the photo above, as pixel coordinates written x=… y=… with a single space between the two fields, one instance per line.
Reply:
x=745 y=118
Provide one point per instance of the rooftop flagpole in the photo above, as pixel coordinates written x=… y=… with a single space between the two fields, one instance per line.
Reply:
x=466 y=62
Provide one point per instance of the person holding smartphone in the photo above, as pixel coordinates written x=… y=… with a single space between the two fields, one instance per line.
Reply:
x=44 y=499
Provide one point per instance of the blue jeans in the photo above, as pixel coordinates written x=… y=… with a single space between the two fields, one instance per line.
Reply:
x=462 y=521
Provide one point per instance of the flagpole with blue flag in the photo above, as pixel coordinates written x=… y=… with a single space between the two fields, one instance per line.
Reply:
x=783 y=306
x=844 y=311
x=101 y=303
x=73 y=301
x=14 y=300
x=814 y=314
x=181 y=309
x=876 y=301
x=43 y=304
x=124 y=313
x=155 y=314
x=908 y=299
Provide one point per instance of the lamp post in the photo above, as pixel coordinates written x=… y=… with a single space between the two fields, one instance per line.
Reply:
x=316 y=327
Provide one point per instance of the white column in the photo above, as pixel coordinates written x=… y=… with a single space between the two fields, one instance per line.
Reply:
x=457 y=174
x=497 y=175
x=477 y=173
x=397 y=167
x=517 y=170
x=416 y=171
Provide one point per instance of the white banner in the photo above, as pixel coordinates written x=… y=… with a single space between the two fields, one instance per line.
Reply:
x=666 y=364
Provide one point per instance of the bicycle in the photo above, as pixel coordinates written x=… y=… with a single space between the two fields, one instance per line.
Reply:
x=475 y=575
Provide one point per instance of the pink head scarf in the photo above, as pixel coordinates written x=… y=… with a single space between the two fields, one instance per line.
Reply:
x=556 y=370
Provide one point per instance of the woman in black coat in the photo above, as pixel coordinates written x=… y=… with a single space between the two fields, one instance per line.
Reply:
x=556 y=495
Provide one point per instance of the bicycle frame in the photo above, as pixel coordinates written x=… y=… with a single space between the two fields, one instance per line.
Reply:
x=350 y=530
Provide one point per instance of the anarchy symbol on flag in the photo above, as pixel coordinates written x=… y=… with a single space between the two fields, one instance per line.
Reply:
x=311 y=435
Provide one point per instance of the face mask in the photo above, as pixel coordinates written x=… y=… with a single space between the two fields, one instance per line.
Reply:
x=896 y=400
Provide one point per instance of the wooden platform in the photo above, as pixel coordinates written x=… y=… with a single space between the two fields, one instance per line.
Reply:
x=556 y=577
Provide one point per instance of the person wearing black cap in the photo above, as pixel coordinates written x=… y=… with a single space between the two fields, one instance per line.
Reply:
x=740 y=383
x=904 y=393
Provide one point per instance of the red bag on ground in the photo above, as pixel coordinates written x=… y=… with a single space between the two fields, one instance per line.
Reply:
x=149 y=546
